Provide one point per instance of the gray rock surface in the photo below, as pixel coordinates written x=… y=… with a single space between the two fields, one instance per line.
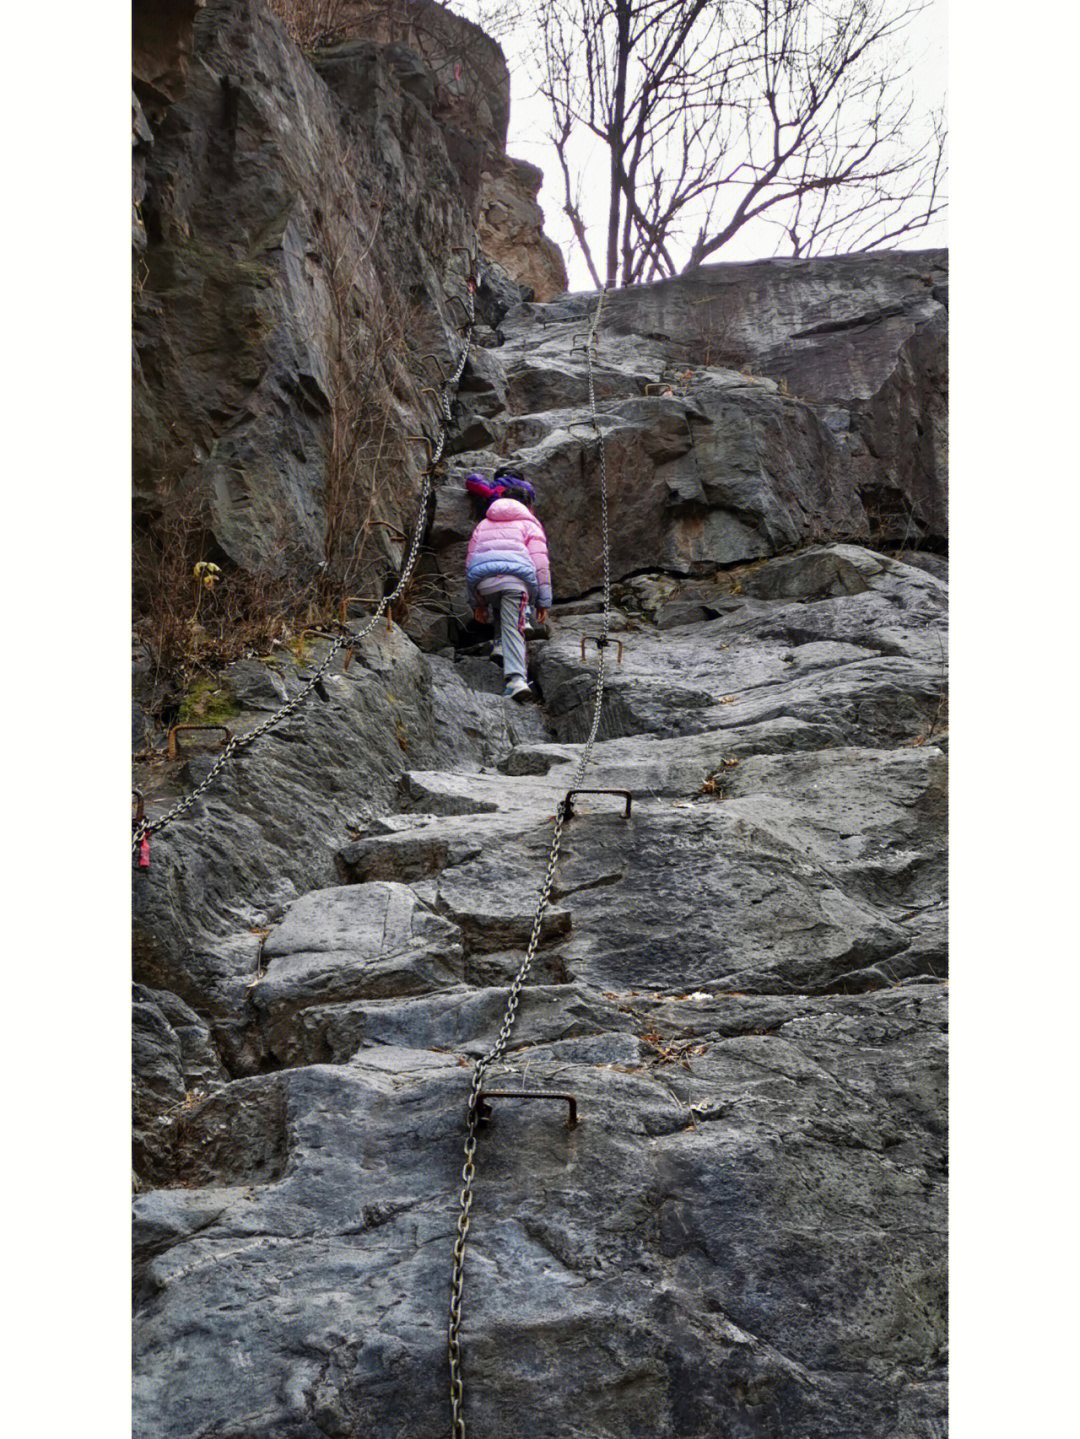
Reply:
x=861 y=338
x=814 y=411
x=265 y=181
x=765 y=1256
x=742 y=984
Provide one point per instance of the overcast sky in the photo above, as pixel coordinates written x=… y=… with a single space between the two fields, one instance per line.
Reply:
x=529 y=123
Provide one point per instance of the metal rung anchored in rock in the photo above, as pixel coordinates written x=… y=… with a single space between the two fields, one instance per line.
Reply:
x=484 y=1108
x=568 y=802
x=172 y=749
x=601 y=642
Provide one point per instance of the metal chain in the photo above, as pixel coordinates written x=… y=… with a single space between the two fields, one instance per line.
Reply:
x=472 y=1123
x=146 y=827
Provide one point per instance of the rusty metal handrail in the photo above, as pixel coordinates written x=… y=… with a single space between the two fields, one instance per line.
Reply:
x=438 y=364
x=457 y=300
x=387 y=525
x=423 y=440
x=360 y=600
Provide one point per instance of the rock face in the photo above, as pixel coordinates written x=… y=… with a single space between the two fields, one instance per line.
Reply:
x=511 y=227
x=295 y=222
x=746 y=409
x=860 y=338
x=742 y=982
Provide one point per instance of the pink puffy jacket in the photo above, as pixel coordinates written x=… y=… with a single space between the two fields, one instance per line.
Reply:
x=510 y=540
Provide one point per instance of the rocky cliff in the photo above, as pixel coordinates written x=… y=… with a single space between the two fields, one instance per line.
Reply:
x=742 y=982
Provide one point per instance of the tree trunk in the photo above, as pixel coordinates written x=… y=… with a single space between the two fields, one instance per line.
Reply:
x=616 y=137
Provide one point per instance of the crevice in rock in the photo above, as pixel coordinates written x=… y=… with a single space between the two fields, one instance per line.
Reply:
x=855 y=322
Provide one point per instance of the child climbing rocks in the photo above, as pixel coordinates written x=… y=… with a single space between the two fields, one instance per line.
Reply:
x=507 y=569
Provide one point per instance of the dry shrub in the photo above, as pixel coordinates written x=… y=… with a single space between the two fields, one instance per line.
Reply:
x=191 y=620
x=454 y=48
x=367 y=451
x=714 y=338
x=370 y=462
x=890 y=517
x=314 y=23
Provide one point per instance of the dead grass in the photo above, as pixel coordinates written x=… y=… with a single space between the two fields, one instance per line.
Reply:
x=371 y=470
x=714 y=334
x=370 y=380
x=190 y=630
x=419 y=24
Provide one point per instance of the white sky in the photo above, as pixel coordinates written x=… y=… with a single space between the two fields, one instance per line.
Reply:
x=529 y=123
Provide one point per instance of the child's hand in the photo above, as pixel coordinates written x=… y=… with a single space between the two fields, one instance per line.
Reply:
x=480 y=614
x=541 y=616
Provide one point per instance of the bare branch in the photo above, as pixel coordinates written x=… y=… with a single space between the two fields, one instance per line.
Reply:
x=796 y=114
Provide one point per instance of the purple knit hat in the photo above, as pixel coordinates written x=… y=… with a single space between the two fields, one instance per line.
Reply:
x=495 y=487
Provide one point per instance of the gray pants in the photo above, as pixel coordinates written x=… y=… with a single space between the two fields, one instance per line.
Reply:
x=508 y=614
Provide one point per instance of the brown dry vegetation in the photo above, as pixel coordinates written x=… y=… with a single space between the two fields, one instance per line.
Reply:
x=312 y=23
x=372 y=373
x=372 y=336
x=419 y=24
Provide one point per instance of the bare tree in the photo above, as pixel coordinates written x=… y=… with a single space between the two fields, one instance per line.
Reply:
x=718 y=113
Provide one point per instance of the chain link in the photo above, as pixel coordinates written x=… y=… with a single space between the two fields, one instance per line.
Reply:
x=146 y=827
x=472 y=1122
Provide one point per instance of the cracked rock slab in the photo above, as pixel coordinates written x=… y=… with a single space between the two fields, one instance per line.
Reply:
x=743 y=1238
x=365 y=941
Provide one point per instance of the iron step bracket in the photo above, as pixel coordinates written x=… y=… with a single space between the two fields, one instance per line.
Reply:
x=467 y=326
x=470 y=268
x=464 y=250
x=601 y=641
x=172 y=749
x=568 y=802
x=371 y=602
x=438 y=364
x=423 y=440
x=386 y=525
x=484 y=1108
